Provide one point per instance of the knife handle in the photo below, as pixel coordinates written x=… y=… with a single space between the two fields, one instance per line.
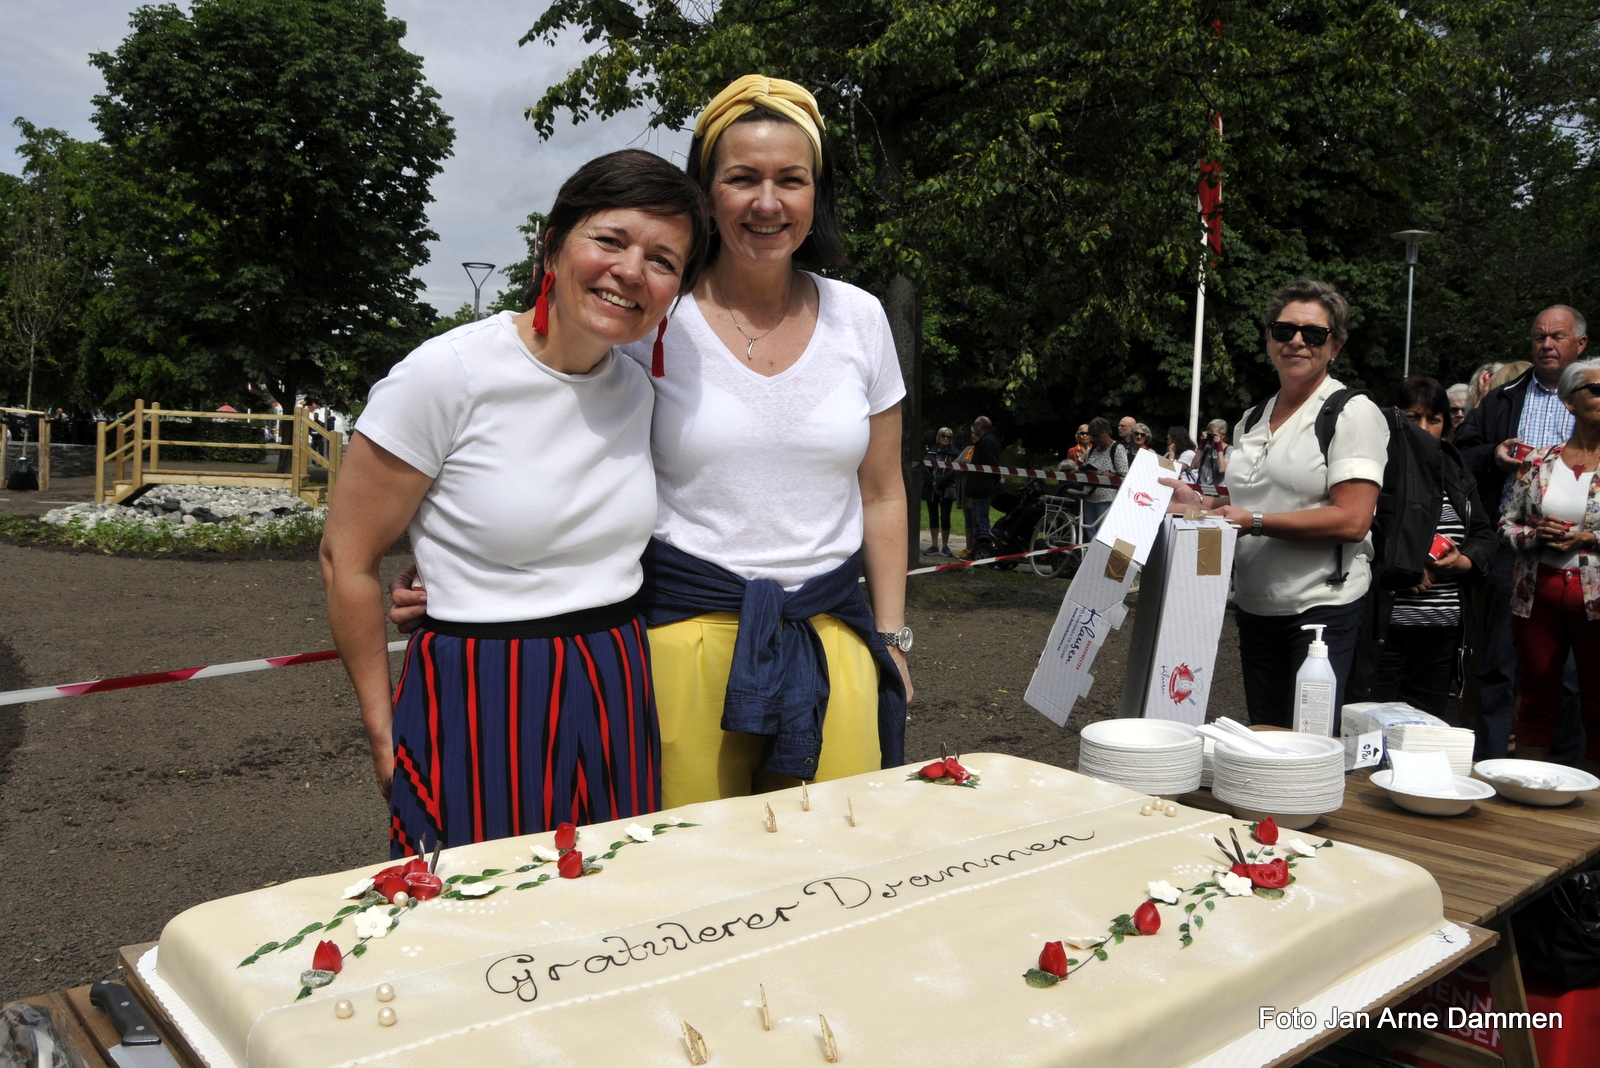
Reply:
x=126 y=1016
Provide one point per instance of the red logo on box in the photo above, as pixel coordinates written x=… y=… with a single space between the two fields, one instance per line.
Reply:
x=1143 y=499
x=1180 y=684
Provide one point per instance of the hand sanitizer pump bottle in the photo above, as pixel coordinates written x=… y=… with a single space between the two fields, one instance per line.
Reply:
x=1314 y=688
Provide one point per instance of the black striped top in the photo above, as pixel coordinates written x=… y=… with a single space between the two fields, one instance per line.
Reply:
x=1440 y=606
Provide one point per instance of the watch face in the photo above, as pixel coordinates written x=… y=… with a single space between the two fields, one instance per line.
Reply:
x=905 y=639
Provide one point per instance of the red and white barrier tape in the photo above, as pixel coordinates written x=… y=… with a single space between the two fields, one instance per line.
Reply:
x=155 y=678
x=1091 y=478
x=240 y=667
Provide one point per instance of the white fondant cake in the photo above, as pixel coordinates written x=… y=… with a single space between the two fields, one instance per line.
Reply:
x=910 y=931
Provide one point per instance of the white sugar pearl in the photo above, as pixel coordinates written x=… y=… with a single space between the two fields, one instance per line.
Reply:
x=402 y=899
x=386 y=1017
x=1172 y=810
x=385 y=992
x=343 y=1009
x=1144 y=810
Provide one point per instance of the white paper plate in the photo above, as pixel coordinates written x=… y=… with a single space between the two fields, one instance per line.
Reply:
x=1571 y=781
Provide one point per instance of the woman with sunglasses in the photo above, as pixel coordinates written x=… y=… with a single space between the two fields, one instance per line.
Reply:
x=1142 y=436
x=1306 y=550
x=1553 y=523
x=939 y=491
x=1080 y=446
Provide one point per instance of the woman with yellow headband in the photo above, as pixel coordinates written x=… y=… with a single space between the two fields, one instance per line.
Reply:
x=776 y=440
x=777 y=449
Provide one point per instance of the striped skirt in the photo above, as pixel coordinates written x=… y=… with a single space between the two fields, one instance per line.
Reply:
x=496 y=737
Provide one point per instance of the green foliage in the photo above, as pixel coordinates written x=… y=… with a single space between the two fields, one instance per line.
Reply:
x=267 y=182
x=1033 y=167
x=301 y=530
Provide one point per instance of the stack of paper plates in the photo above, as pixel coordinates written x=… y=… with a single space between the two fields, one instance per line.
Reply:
x=1307 y=781
x=1454 y=742
x=1153 y=756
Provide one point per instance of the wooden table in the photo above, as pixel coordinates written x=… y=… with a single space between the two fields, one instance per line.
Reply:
x=1489 y=862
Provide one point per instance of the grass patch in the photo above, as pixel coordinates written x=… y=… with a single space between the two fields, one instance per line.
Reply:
x=302 y=530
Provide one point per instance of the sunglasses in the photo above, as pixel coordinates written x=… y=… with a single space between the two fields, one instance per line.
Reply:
x=1284 y=332
x=1591 y=388
x=1139 y=435
x=1083 y=433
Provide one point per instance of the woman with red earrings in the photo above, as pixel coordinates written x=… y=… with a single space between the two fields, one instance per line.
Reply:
x=516 y=451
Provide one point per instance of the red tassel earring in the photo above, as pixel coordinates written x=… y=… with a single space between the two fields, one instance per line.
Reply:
x=658 y=355
x=541 y=307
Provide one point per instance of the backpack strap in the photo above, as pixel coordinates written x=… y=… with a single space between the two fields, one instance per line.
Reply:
x=1253 y=416
x=1327 y=423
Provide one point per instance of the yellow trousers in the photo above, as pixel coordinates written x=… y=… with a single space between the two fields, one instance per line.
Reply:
x=690 y=662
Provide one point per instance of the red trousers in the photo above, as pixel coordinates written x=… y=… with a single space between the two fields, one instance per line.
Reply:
x=1556 y=626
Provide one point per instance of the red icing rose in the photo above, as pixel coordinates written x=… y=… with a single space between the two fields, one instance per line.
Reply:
x=422 y=885
x=936 y=770
x=1147 y=918
x=1273 y=875
x=566 y=836
x=327 y=958
x=391 y=886
x=389 y=873
x=954 y=770
x=570 y=865
x=1267 y=831
x=415 y=864
x=1054 y=959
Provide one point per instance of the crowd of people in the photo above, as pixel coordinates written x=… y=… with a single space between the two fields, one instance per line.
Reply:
x=1497 y=626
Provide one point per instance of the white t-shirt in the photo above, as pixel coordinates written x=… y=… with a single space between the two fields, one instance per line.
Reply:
x=758 y=474
x=1186 y=458
x=1566 y=496
x=1286 y=472
x=543 y=495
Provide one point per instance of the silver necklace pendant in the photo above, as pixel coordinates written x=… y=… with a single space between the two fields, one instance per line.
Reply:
x=750 y=351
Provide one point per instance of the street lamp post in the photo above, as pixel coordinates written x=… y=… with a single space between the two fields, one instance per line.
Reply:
x=477 y=283
x=1412 y=238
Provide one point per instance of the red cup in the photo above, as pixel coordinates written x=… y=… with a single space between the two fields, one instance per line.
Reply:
x=1441 y=547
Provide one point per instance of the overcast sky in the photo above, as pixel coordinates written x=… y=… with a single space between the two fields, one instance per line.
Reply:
x=500 y=170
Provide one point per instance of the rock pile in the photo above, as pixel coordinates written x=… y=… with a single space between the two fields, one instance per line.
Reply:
x=189 y=506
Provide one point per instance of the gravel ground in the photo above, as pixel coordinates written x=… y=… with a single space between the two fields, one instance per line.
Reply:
x=119 y=810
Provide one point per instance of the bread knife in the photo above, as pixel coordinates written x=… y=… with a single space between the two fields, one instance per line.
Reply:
x=141 y=1046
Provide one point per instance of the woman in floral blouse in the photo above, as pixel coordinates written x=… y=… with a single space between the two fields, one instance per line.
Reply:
x=1553 y=523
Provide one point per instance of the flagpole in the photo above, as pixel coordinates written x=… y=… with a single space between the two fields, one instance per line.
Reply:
x=1199 y=337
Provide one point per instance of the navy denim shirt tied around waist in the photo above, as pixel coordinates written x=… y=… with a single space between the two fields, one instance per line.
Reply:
x=778 y=686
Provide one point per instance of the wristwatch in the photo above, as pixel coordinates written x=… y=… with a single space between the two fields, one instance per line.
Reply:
x=897 y=639
x=1255 y=524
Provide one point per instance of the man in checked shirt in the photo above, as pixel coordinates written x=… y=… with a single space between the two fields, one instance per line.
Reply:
x=1512 y=420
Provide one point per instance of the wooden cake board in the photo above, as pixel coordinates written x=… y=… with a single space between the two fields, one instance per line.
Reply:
x=94 y=1034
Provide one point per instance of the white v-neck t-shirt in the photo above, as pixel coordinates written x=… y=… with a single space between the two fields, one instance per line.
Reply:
x=1566 y=496
x=756 y=473
x=543 y=492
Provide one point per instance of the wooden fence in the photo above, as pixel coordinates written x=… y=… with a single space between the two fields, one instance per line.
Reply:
x=137 y=465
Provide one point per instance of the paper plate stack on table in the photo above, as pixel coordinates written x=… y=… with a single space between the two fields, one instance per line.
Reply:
x=1296 y=784
x=1025 y=915
x=1154 y=756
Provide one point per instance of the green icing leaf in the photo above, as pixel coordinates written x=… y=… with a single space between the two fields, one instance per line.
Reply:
x=305 y=992
x=295 y=941
x=1210 y=904
x=347 y=910
x=332 y=924
x=1190 y=907
x=268 y=948
x=1199 y=921
x=1327 y=841
x=251 y=959
x=1040 y=979
x=308 y=928
x=1270 y=893
x=1100 y=954
x=312 y=978
x=358 y=949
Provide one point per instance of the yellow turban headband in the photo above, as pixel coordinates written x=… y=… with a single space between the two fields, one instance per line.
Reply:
x=752 y=91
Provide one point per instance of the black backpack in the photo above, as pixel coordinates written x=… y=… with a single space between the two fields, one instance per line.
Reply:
x=1409 y=501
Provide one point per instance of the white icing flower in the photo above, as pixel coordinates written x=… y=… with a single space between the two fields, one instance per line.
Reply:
x=373 y=922
x=476 y=889
x=671 y=819
x=1234 y=885
x=639 y=833
x=546 y=853
x=1164 y=892
x=356 y=890
x=1301 y=847
x=1086 y=941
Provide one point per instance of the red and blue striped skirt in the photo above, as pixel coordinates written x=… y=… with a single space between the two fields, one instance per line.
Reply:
x=497 y=737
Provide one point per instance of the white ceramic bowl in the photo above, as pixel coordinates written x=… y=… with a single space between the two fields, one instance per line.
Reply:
x=1130 y=734
x=1571 y=781
x=1468 y=792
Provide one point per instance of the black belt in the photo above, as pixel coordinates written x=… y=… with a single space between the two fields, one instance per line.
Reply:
x=583 y=621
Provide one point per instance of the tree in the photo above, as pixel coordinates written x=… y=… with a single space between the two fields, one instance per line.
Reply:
x=1027 y=171
x=42 y=279
x=269 y=164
